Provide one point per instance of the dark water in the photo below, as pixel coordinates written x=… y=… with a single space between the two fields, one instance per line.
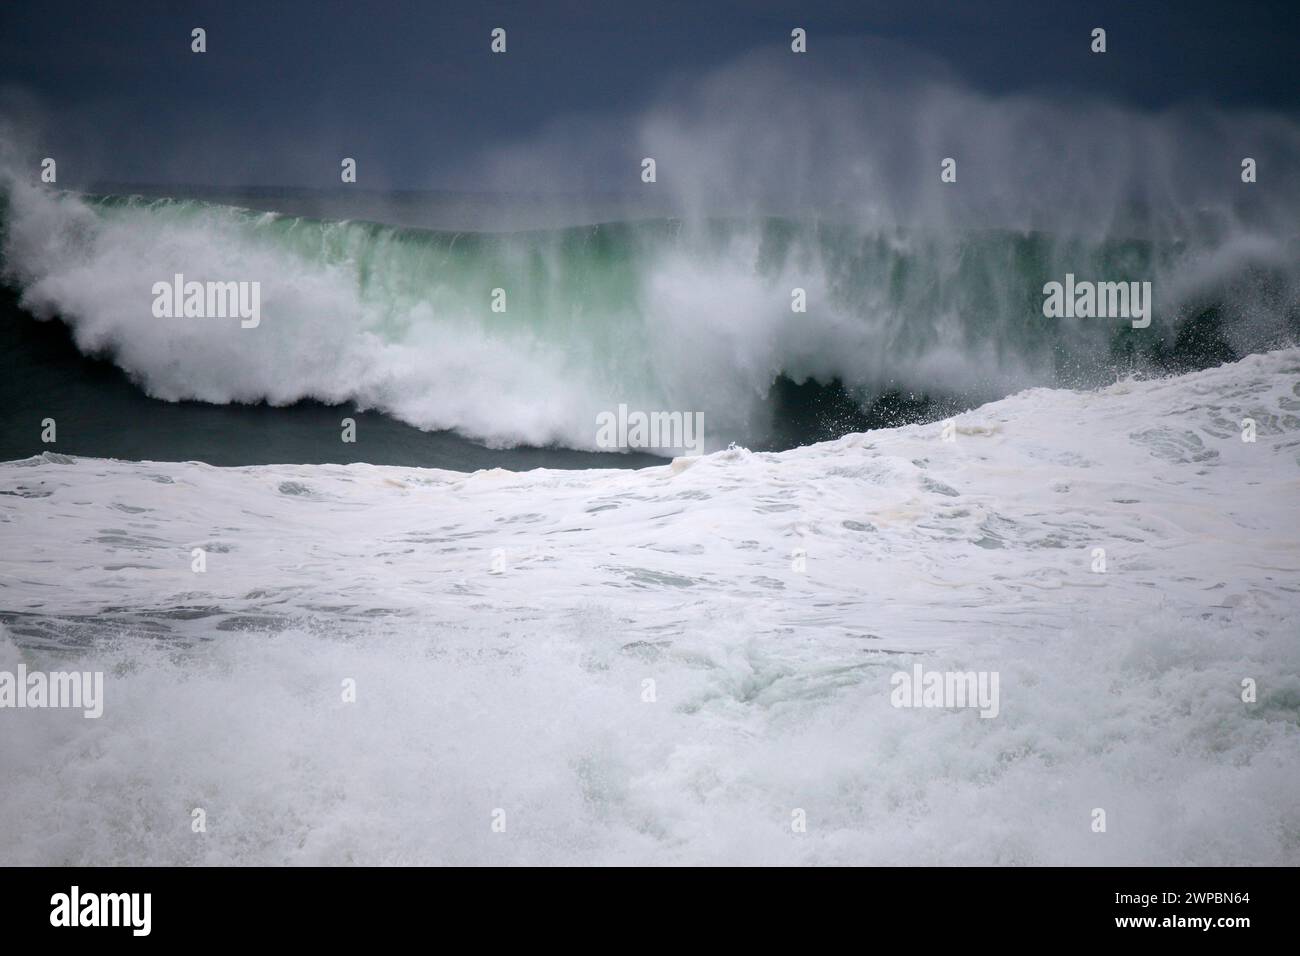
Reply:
x=99 y=413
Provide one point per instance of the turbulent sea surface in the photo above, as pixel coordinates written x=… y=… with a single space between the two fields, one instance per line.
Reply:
x=641 y=658
x=501 y=627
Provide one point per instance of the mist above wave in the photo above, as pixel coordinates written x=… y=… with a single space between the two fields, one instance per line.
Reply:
x=781 y=173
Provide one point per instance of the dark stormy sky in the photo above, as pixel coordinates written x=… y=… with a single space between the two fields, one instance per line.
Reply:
x=411 y=90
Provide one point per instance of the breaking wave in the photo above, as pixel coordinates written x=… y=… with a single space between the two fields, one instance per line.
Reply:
x=661 y=314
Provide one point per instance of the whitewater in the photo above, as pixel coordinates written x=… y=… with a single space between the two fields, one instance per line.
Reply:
x=500 y=630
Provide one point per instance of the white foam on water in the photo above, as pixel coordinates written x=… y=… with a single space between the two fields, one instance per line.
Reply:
x=522 y=690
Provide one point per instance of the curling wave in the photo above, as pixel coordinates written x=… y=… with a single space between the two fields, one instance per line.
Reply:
x=667 y=314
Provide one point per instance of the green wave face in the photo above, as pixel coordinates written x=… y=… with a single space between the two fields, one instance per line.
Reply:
x=526 y=337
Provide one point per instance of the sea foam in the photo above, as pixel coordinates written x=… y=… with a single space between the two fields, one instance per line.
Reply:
x=499 y=630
